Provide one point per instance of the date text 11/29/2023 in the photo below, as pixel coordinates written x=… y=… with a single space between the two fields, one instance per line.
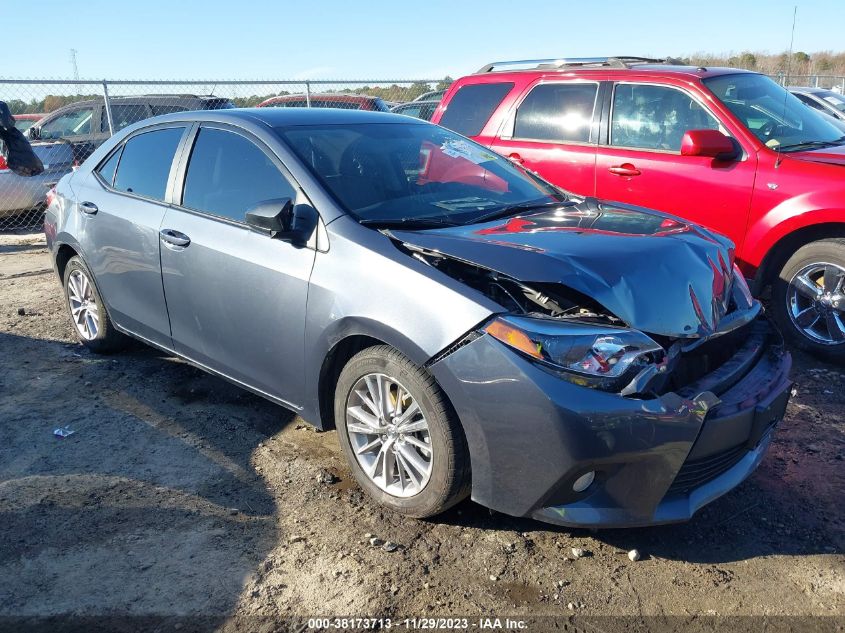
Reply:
x=413 y=624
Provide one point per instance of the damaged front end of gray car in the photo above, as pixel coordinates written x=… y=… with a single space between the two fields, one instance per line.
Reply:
x=630 y=377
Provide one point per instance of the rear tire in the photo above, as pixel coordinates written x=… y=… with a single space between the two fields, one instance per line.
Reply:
x=808 y=299
x=88 y=313
x=424 y=461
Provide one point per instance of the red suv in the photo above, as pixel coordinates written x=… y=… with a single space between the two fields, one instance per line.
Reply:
x=726 y=148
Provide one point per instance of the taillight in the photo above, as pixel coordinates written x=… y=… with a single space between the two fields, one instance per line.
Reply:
x=4 y=166
x=51 y=196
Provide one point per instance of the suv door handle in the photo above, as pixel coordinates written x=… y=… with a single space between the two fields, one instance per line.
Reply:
x=88 y=207
x=174 y=238
x=516 y=158
x=625 y=169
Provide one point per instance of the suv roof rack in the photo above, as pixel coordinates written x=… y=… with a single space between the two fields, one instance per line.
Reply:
x=619 y=61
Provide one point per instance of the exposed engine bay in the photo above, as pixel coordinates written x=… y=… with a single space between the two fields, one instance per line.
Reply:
x=675 y=367
x=551 y=300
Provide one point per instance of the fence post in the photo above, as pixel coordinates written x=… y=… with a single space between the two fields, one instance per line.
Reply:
x=307 y=94
x=107 y=103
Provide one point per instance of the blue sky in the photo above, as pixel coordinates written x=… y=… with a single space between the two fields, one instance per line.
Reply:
x=364 y=39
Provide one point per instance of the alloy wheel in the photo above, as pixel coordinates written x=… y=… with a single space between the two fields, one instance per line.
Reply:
x=83 y=305
x=389 y=435
x=816 y=302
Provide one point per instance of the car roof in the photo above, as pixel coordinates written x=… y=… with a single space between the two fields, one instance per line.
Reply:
x=170 y=98
x=288 y=117
x=335 y=96
x=416 y=104
x=807 y=89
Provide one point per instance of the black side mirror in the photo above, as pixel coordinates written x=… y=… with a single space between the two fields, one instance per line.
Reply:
x=273 y=217
x=33 y=133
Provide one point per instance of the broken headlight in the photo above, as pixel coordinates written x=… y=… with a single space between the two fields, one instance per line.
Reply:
x=590 y=355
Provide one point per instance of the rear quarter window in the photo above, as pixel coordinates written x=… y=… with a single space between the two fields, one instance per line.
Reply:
x=470 y=107
x=145 y=164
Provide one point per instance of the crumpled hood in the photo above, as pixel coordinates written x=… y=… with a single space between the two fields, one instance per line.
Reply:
x=656 y=272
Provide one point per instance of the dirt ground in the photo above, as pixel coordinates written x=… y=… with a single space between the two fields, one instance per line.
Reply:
x=181 y=495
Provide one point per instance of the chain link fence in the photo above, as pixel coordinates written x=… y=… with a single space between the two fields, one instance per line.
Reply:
x=67 y=120
x=829 y=82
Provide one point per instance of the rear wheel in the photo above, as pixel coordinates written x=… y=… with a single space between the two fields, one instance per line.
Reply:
x=399 y=434
x=87 y=310
x=808 y=299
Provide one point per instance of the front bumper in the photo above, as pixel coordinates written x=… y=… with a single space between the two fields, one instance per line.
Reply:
x=531 y=434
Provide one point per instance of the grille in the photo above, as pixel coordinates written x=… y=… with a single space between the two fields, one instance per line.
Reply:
x=698 y=472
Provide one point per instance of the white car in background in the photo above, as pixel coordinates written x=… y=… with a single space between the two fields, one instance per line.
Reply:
x=827 y=101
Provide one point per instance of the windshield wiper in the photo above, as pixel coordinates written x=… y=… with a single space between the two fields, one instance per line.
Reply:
x=407 y=223
x=813 y=144
x=516 y=209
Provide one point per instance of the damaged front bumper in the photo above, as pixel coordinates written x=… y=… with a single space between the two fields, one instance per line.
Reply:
x=532 y=435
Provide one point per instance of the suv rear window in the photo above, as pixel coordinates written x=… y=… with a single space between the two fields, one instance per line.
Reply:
x=471 y=106
x=123 y=116
x=557 y=112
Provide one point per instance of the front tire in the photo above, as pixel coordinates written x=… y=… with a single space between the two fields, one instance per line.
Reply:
x=808 y=299
x=399 y=434
x=87 y=311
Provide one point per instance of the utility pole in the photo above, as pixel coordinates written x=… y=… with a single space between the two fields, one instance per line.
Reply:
x=73 y=63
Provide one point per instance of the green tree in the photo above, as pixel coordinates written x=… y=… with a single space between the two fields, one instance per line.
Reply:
x=748 y=60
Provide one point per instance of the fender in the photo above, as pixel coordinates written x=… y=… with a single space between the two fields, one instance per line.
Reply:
x=790 y=216
x=338 y=331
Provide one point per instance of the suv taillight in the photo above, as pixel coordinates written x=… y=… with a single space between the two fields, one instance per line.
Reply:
x=4 y=166
x=51 y=196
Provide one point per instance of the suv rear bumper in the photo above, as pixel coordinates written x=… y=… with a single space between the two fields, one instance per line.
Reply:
x=531 y=434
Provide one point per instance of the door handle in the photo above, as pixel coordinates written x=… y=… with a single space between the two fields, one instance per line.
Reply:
x=88 y=207
x=625 y=169
x=516 y=158
x=174 y=238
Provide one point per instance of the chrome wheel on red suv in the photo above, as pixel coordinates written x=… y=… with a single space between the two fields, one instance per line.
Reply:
x=809 y=298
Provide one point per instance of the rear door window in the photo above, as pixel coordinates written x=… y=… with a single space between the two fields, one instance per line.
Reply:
x=228 y=174
x=107 y=169
x=558 y=112
x=810 y=101
x=470 y=107
x=123 y=116
x=145 y=164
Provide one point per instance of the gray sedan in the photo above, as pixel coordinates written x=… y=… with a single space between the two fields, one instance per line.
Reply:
x=465 y=326
x=19 y=194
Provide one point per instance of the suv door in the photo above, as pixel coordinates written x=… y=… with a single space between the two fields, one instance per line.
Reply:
x=236 y=297
x=122 y=206
x=553 y=131
x=639 y=160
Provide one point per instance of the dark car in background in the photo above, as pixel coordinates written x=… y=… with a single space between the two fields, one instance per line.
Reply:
x=417 y=109
x=821 y=99
x=467 y=327
x=327 y=100
x=85 y=124
x=434 y=95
